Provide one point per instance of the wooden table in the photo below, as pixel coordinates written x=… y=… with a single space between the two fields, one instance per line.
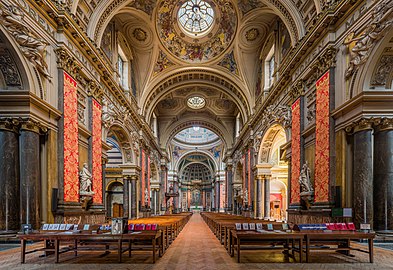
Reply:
x=91 y=240
x=257 y=238
x=340 y=238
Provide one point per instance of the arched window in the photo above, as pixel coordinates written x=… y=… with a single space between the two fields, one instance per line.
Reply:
x=269 y=69
x=122 y=69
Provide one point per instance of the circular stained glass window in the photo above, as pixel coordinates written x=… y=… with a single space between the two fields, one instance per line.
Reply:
x=196 y=17
x=196 y=102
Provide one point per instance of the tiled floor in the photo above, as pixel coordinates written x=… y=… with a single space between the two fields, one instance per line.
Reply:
x=197 y=248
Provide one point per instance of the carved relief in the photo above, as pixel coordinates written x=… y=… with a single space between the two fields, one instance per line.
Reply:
x=298 y=89
x=311 y=113
x=68 y=63
x=93 y=89
x=139 y=34
x=280 y=114
x=326 y=61
x=135 y=142
x=108 y=113
x=360 y=46
x=81 y=108
x=128 y=155
x=383 y=73
x=257 y=141
x=32 y=47
x=252 y=34
x=9 y=69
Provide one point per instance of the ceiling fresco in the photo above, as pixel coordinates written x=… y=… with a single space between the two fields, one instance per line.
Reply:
x=197 y=49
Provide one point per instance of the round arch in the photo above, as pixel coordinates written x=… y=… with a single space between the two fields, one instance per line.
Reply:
x=22 y=76
x=124 y=141
x=203 y=77
x=213 y=126
x=200 y=152
x=273 y=135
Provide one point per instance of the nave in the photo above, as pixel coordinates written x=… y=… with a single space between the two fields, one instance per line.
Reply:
x=196 y=247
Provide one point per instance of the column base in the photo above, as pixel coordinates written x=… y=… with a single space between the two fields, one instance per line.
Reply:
x=299 y=216
x=73 y=213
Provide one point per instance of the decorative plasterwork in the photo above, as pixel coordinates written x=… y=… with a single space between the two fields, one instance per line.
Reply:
x=216 y=80
x=280 y=115
x=361 y=46
x=94 y=90
x=197 y=50
x=68 y=63
x=32 y=47
x=252 y=34
x=139 y=34
x=326 y=61
x=383 y=73
x=298 y=89
x=9 y=69
x=81 y=108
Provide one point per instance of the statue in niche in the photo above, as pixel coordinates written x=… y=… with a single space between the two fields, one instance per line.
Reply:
x=245 y=196
x=146 y=196
x=85 y=181
x=304 y=179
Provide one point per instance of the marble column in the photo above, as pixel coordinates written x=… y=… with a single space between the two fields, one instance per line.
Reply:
x=259 y=182
x=9 y=175
x=134 y=199
x=267 y=196
x=175 y=190
x=383 y=176
x=363 y=173
x=229 y=187
x=218 y=186
x=30 y=174
x=127 y=196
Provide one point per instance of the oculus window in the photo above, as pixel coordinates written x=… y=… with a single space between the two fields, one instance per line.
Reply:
x=196 y=102
x=196 y=17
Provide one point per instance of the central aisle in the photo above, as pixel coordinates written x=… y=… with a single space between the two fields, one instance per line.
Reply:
x=196 y=247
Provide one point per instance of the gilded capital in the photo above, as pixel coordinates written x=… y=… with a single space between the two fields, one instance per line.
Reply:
x=298 y=89
x=326 y=61
x=67 y=62
x=361 y=125
x=10 y=124
x=31 y=125
x=384 y=124
x=94 y=90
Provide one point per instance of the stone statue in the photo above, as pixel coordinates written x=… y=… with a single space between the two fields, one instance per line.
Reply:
x=85 y=181
x=364 y=43
x=146 y=196
x=304 y=179
x=245 y=196
x=32 y=47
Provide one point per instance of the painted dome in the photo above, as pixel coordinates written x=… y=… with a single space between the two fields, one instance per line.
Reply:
x=205 y=29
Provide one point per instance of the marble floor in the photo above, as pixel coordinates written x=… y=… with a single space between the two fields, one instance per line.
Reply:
x=196 y=248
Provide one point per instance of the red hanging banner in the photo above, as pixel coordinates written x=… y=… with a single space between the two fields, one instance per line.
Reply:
x=295 y=160
x=70 y=138
x=97 y=153
x=322 y=141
